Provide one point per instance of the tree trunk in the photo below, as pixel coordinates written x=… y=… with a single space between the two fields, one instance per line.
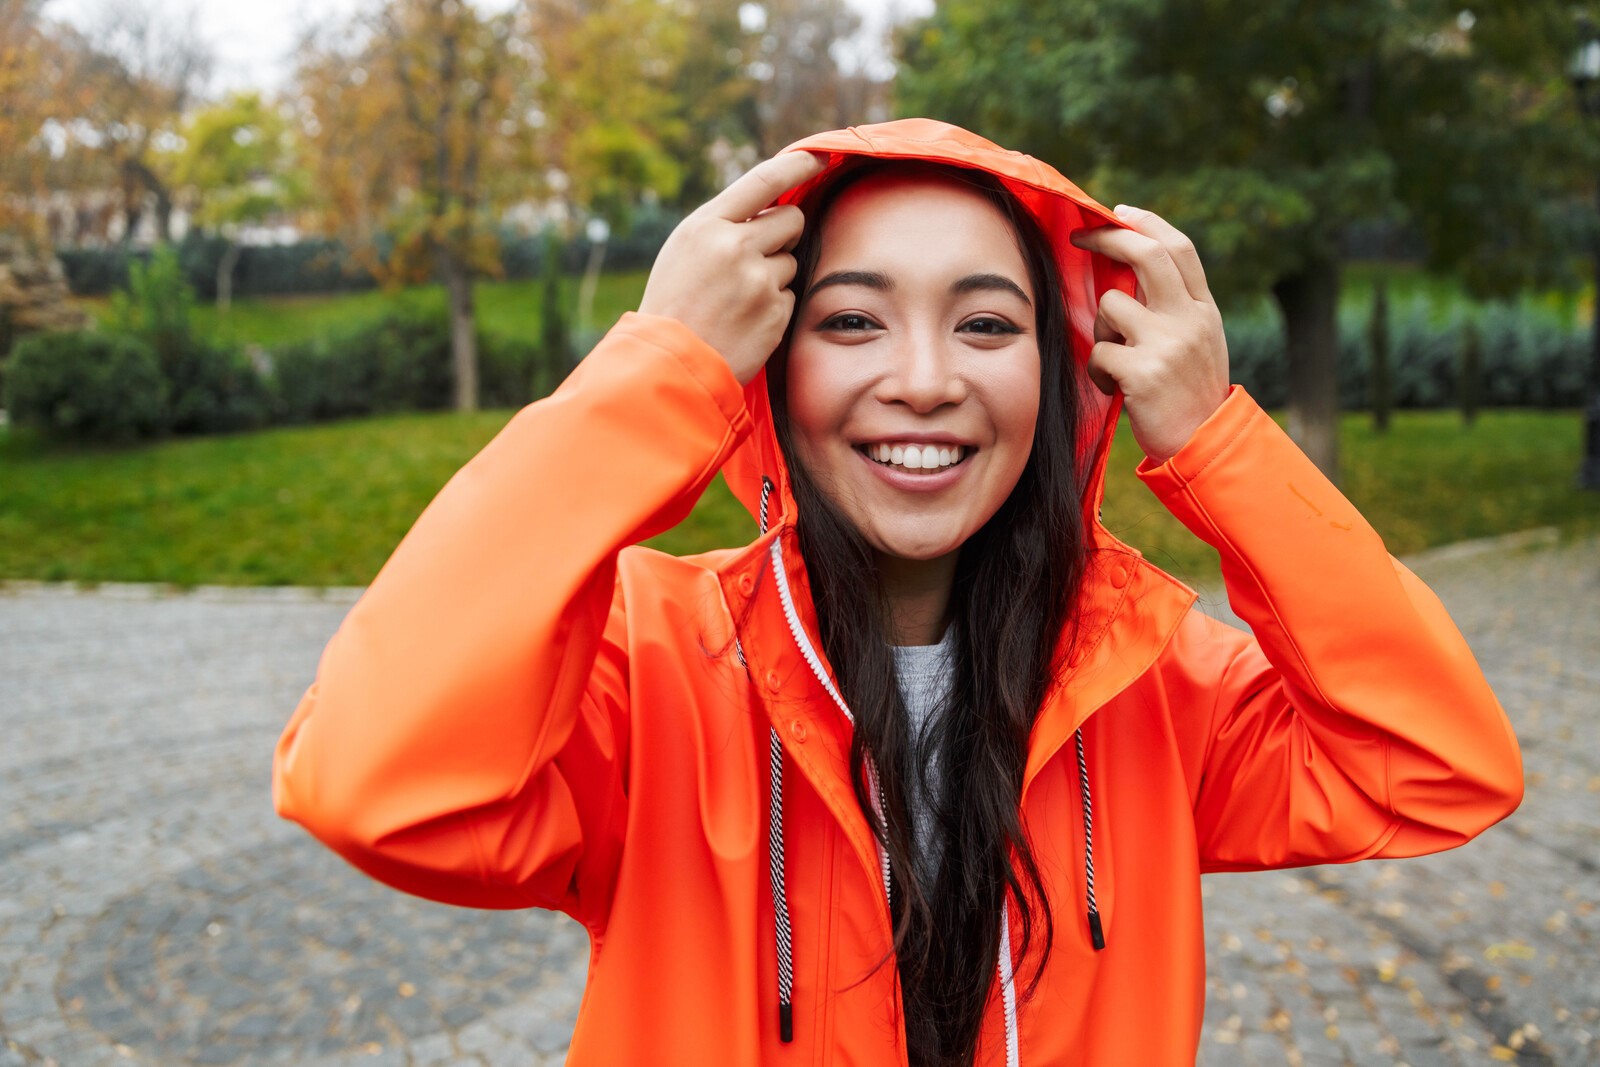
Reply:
x=587 y=288
x=1309 y=301
x=463 y=333
x=1380 y=373
x=225 y=266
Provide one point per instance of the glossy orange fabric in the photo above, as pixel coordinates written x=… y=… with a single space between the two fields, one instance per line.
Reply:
x=524 y=711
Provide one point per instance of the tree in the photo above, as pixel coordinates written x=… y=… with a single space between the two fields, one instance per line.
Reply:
x=24 y=70
x=1264 y=128
x=601 y=81
x=412 y=124
x=140 y=69
x=37 y=96
x=236 y=157
x=802 y=83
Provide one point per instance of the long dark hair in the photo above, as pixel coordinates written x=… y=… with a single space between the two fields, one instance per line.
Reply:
x=1015 y=589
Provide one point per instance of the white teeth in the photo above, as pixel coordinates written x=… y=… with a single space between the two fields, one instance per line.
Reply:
x=917 y=457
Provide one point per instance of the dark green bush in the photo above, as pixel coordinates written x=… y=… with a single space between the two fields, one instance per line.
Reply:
x=212 y=389
x=1529 y=357
x=86 y=386
x=400 y=362
x=215 y=390
x=309 y=266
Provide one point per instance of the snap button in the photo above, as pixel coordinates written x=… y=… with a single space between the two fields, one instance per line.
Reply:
x=797 y=730
x=747 y=584
x=1120 y=575
x=774 y=683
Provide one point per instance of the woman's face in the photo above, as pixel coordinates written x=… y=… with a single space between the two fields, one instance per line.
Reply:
x=913 y=368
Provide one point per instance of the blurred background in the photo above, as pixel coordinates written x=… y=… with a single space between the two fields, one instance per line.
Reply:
x=271 y=273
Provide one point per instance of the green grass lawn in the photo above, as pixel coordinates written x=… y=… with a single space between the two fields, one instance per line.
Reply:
x=325 y=505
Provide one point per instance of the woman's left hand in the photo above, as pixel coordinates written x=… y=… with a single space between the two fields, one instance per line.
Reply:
x=1164 y=349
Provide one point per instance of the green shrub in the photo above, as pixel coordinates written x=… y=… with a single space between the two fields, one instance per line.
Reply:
x=86 y=386
x=215 y=390
x=314 y=265
x=400 y=362
x=212 y=389
x=1529 y=357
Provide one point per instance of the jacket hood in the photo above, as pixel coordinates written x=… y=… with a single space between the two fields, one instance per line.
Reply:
x=1061 y=209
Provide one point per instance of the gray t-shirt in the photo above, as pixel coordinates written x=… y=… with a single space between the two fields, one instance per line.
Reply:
x=925 y=676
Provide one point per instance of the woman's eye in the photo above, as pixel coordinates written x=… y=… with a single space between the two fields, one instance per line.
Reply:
x=989 y=327
x=849 y=323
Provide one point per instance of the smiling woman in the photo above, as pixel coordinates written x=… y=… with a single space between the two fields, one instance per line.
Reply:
x=929 y=772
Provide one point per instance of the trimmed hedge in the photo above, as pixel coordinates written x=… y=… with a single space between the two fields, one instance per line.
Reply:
x=1529 y=358
x=399 y=363
x=319 y=265
x=86 y=386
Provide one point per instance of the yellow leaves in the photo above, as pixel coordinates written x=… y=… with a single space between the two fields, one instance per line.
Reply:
x=1509 y=950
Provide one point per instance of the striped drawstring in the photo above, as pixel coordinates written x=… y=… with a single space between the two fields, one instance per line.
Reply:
x=1096 y=934
x=775 y=873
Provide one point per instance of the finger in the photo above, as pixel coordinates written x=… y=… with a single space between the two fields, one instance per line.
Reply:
x=764 y=183
x=1177 y=244
x=1158 y=274
x=1120 y=318
x=775 y=228
x=1102 y=358
x=783 y=267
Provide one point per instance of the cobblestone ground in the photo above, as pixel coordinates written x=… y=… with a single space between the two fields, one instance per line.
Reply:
x=154 y=911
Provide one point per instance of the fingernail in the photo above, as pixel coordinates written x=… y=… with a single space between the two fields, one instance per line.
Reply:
x=1124 y=211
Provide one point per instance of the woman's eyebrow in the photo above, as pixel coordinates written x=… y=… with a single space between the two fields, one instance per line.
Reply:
x=977 y=282
x=871 y=279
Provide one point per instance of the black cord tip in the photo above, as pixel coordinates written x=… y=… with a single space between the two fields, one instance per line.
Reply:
x=1096 y=934
x=785 y=1021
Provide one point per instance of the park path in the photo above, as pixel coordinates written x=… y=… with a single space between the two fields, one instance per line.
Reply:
x=153 y=910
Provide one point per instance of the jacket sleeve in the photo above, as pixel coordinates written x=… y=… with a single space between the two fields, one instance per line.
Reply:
x=1357 y=722
x=465 y=738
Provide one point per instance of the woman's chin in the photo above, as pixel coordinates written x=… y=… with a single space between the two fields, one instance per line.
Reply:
x=914 y=549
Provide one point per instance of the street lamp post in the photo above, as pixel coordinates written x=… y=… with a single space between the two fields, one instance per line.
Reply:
x=1585 y=74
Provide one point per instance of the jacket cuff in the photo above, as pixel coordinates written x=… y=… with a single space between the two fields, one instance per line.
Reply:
x=1242 y=486
x=703 y=363
x=1209 y=442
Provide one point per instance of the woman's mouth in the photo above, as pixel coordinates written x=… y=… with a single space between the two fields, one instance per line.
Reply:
x=917 y=458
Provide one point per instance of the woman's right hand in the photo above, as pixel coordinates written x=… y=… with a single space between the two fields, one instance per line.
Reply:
x=725 y=270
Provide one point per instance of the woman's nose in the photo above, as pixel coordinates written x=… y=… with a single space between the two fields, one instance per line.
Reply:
x=924 y=376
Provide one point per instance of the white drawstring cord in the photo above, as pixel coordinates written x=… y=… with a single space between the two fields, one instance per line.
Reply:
x=803 y=642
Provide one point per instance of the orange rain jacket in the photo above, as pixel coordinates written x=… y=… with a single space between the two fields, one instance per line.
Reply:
x=525 y=711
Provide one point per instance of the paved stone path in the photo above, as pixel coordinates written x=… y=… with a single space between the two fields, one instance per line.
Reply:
x=154 y=911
